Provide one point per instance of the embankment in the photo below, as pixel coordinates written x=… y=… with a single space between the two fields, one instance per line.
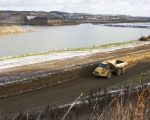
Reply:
x=64 y=93
x=31 y=81
x=47 y=79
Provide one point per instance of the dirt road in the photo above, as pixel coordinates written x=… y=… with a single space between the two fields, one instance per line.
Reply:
x=64 y=93
x=71 y=62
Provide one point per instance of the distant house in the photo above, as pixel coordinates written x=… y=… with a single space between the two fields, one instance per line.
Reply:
x=32 y=20
x=30 y=17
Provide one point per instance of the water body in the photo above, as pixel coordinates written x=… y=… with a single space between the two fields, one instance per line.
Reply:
x=61 y=37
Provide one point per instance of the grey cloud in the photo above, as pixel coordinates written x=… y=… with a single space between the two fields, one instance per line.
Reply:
x=131 y=7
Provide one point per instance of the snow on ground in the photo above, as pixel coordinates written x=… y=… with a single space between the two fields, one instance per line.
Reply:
x=15 y=62
x=79 y=100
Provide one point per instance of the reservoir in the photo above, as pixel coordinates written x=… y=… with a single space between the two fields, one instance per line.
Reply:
x=61 y=37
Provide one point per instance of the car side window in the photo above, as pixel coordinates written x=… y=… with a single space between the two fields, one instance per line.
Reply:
x=107 y=67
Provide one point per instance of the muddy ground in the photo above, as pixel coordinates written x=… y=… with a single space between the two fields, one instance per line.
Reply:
x=47 y=74
x=65 y=92
x=70 y=63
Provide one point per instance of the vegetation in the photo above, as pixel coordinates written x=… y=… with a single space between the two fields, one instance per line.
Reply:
x=135 y=58
x=91 y=48
x=12 y=30
x=126 y=104
x=94 y=47
x=133 y=81
x=143 y=38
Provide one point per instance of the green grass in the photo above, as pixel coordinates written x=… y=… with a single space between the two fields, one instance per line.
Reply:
x=103 y=46
x=90 y=48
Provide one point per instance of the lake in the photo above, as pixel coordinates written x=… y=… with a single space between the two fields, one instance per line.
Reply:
x=61 y=37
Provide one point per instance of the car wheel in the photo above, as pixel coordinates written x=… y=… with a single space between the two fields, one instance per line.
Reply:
x=109 y=75
x=119 y=71
x=123 y=70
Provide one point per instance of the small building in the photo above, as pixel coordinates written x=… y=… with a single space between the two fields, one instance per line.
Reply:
x=30 y=17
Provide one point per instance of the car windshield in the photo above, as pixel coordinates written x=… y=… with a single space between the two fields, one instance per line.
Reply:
x=103 y=65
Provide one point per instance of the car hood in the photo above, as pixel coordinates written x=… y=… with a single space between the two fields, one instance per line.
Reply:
x=99 y=69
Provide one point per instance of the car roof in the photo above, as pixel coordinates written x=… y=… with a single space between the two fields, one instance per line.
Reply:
x=104 y=63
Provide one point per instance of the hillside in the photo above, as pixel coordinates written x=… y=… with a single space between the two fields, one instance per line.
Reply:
x=20 y=17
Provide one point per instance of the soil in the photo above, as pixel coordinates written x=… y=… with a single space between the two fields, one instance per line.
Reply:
x=69 y=63
x=65 y=92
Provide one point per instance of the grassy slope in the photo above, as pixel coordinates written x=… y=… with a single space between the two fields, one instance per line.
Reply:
x=91 y=48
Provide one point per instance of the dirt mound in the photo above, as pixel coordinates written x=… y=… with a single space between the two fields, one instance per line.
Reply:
x=47 y=79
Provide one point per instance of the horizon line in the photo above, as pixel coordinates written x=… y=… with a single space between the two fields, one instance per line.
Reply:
x=73 y=12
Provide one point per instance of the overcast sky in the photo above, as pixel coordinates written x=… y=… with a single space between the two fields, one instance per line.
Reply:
x=128 y=7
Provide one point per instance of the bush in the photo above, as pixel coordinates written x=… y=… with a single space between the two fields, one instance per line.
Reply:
x=148 y=37
x=127 y=104
x=143 y=39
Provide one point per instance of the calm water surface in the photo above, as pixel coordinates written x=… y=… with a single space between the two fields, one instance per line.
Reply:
x=60 y=37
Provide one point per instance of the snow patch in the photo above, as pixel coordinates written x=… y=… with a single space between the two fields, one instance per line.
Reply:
x=16 y=62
